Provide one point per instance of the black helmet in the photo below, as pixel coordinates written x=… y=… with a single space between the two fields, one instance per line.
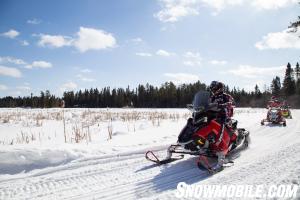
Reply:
x=216 y=87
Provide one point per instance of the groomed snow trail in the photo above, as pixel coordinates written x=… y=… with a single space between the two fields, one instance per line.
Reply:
x=272 y=158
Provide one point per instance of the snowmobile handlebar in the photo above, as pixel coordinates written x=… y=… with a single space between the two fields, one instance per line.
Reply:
x=211 y=107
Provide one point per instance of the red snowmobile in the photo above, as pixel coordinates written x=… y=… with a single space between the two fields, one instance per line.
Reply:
x=274 y=116
x=204 y=136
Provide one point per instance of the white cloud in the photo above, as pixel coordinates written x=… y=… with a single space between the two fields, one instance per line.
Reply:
x=193 y=58
x=159 y=52
x=192 y=63
x=173 y=10
x=85 y=79
x=247 y=71
x=68 y=86
x=279 y=40
x=13 y=60
x=39 y=64
x=11 y=34
x=180 y=78
x=188 y=63
x=190 y=54
x=55 y=41
x=34 y=21
x=218 y=62
x=164 y=53
x=87 y=39
x=143 y=54
x=24 y=43
x=3 y=87
x=93 y=39
x=86 y=71
x=10 y=71
x=272 y=4
x=219 y=5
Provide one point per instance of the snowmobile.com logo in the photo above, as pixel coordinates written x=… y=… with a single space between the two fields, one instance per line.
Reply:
x=235 y=191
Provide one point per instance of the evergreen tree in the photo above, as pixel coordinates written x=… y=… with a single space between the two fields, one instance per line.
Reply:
x=42 y=100
x=289 y=85
x=47 y=101
x=295 y=25
x=276 y=86
x=297 y=74
x=257 y=91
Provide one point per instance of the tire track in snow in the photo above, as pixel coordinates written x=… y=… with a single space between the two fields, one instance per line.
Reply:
x=60 y=183
x=104 y=172
x=137 y=188
x=78 y=182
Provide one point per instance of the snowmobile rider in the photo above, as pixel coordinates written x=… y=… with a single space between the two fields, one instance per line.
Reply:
x=274 y=103
x=285 y=105
x=224 y=103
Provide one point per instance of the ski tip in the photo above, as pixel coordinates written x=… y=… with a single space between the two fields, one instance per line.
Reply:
x=152 y=157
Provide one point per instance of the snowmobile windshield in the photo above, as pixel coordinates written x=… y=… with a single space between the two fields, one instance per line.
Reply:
x=201 y=101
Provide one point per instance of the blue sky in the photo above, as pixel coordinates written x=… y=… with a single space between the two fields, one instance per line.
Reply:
x=76 y=44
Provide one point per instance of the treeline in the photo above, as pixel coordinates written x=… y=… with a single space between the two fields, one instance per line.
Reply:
x=168 y=95
x=45 y=100
x=148 y=96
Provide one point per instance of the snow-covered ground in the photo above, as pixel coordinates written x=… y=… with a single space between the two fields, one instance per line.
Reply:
x=37 y=163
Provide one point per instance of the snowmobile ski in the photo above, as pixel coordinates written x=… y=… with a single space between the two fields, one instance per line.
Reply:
x=153 y=158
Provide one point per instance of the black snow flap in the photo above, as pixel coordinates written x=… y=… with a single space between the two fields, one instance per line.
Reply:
x=210 y=163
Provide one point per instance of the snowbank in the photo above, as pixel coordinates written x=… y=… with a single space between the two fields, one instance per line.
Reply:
x=19 y=160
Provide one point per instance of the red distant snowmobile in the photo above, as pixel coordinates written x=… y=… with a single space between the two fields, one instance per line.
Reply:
x=204 y=136
x=274 y=116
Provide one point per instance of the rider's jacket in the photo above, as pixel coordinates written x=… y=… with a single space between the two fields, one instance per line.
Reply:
x=225 y=104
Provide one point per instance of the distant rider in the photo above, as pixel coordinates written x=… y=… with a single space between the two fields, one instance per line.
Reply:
x=274 y=103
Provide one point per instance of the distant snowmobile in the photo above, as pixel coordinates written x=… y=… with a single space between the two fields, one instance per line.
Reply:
x=274 y=116
x=204 y=136
x=286 y=113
